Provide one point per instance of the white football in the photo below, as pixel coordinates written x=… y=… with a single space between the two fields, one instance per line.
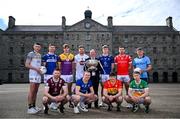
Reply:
x=43 y=69
x=137 y=70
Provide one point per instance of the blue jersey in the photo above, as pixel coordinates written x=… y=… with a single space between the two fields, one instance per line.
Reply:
x=106 y=62
x=142 y=63
x=84 y=87
x=51 y=62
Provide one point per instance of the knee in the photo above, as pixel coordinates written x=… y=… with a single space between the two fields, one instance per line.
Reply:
x=45 y=100
x=76 y=98
x=148 y=99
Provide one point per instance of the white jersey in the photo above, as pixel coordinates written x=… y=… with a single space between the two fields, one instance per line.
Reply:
x=80 y=67
x=35 y=61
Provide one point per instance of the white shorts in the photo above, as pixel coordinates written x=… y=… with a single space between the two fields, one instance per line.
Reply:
x=123 y=78
x=104 y=77
x=67 y=78
x=46 y=77
x=35 y=79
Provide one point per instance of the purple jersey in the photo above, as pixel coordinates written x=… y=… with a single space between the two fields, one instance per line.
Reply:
x=55 y=87
x=66 y=63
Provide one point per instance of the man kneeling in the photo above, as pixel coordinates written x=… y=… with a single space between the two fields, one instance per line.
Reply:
x=84 y=93
x=112 y=92
x=55 y=92
x=138 y=93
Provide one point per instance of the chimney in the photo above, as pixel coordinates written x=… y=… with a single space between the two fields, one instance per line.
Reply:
x=169 y=22
x=110 y=21
x=11 y=22
x=63 y=22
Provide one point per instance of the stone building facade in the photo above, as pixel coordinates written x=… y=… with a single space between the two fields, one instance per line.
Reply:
x=161 y=44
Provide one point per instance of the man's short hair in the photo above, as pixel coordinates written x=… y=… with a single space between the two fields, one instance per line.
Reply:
x=37 y=44
x=51 y=44
x=136 y=72
x=105 y=46
x=139 y=48
x=80 y=46
x=112 y=74
x=57 y=69
x=65 y=46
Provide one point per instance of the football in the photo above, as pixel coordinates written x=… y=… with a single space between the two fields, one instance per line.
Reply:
x=43 y=69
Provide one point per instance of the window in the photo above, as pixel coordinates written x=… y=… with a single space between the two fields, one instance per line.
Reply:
x=164 y=49
x=72 y=47
x=22 y=50
x=155 y=61
x=173 y=49
x=174 y=61
x=126 y=36
x=10 y=61
x=22 y=62
x=21 y=75
x=11 y=50
x=154 y=50
x=88 y=37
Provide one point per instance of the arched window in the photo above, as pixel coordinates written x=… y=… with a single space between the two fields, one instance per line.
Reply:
x=9 y=77
x=175 y=77
x=155 y=77
x=165 y=77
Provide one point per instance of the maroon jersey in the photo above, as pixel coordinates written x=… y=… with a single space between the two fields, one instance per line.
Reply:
x=55 y=87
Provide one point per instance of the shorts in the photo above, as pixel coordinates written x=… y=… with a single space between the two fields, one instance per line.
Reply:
x=67 y=78
x=35 y=79
x=104 y=77
x=46 y=77
x=123 y=78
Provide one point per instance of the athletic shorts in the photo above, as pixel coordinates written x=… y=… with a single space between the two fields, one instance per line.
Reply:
x=46 y=77
x=35 y=79
x=67 y=78
x=104 y=77
x=123 y=78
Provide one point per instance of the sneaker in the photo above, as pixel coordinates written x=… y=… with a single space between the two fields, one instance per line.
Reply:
x=135 y=108
x=46 y=109
x=147 y=109
x=61 y=108
x=101 y=104
x=110 y=107
x=32 y=110
x=76 y=110
x=38 y=109
x=82 y=107
x=129 y=106
x=53 y=106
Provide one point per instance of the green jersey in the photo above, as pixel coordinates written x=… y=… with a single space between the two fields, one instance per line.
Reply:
x=138 y=88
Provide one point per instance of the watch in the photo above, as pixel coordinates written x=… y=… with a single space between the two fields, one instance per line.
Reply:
x=87 y=25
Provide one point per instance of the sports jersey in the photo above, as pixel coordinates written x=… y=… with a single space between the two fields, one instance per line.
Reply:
x=51 y=62
x=106 y=62
x=35 y=60
x=142 y=63
x=113 y=89
x=55 y=86
x=66 y=63
x=80 y=67
x=138 y=89
x=123 y=62
x=84 y=87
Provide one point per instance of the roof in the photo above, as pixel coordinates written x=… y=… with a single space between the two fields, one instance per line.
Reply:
x=143 y=29
x=35 y=28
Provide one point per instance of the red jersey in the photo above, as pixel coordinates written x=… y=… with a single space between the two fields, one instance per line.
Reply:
x=112 y=89
x=123 y=62
x=55 y=87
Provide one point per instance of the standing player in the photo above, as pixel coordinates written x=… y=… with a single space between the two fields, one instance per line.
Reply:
x=33 y=63
x=80 y=62
x=112 y=92
x=84 y=93
x=138 y=93
x=50 y=61
x=55 y=91
x=107 y=62
x=67 y=68
x=123 y=62
x=143 y=62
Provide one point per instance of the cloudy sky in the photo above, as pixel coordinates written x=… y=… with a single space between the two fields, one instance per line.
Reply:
x=124 y=12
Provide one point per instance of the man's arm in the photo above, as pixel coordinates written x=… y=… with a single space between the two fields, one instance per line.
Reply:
x=79 y=93
x=119 y=93
x=146 y=93
x=65 y=90
x=29 y=66
x=105 y=93
x=46 y=93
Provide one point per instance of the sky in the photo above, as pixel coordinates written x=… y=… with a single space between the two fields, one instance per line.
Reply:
x=124 y=12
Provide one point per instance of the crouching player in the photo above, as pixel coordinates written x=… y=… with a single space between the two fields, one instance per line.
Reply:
x=112 y=92
x=138 y=93
x=56 y=92
x=84 y=93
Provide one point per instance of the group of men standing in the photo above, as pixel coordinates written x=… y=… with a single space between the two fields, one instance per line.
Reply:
x=89 y=71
